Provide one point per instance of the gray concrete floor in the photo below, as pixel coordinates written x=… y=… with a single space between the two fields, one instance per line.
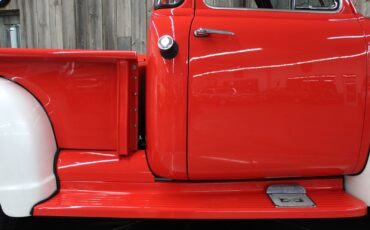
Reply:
x=114 y=224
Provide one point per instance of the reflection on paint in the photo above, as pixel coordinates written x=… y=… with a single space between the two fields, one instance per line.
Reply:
x=225 y=53
x=279 y=65
x=346 y=37
x=87 y=163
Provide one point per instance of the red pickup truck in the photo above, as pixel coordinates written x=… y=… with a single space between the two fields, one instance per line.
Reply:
x=250 y=110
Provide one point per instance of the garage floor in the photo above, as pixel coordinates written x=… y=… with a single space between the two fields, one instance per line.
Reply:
x=108 y=224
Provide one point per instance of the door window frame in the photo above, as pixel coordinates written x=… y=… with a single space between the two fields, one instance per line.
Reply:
x=325 y=11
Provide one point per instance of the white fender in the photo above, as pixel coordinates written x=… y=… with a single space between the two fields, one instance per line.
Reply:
x=359 y=186
x=27 y=151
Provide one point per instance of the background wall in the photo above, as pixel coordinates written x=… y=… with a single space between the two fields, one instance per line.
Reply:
x=85 y=24
x=363 y=6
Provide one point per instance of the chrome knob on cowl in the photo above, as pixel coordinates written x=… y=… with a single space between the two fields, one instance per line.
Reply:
x=168 y=47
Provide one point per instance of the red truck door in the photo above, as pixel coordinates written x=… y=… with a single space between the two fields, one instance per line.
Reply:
x=275 y=93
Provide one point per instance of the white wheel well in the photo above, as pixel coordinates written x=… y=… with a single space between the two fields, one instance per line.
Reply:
x=27 y=151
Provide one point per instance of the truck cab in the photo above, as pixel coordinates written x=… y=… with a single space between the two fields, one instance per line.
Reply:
x=272 y=89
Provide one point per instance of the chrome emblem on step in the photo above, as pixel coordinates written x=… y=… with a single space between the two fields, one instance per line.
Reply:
x=289 y=196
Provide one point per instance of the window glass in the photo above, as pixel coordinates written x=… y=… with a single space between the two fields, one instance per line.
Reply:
x=9 y=29
x=166 y=3
x=12 y=36
x=276 y=4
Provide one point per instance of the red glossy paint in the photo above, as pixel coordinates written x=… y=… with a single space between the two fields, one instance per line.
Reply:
x=284 y=97
x=88 y=95
x=103 y=166
x=167 y=93
x=239 y=200
x=365 y=143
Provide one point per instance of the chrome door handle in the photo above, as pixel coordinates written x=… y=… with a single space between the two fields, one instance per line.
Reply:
x=204 y=32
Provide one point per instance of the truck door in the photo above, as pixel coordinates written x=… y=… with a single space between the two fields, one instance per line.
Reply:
x=276 y=89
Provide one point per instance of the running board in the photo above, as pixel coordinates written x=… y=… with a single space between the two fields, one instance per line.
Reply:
x=175 y=200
